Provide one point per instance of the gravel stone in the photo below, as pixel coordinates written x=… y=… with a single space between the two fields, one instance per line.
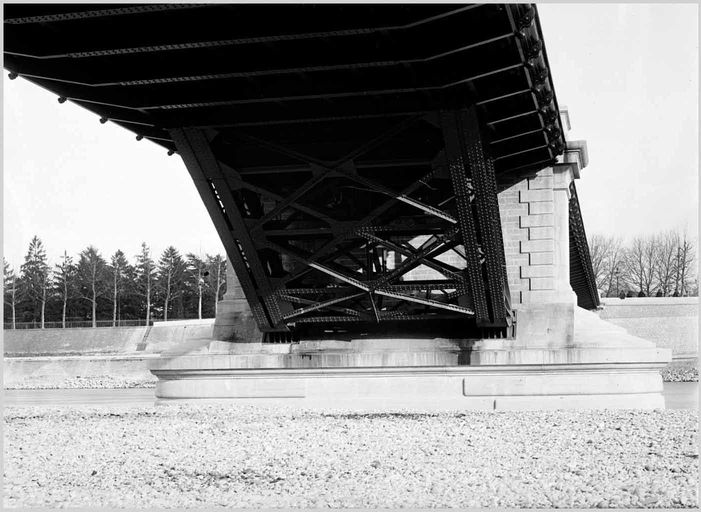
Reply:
x=101 y=382
x=681 y=371
x=241 y=455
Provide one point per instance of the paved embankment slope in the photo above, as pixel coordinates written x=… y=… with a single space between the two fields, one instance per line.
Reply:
x=669 y=322
x=246 y=456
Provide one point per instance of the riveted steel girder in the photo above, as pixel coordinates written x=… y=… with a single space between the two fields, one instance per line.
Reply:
x=348 y=234
x=472 y=175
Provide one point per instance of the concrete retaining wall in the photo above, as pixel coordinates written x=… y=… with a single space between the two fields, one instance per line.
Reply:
x=670 y=322
x=38 y=357
x=162 y=336
x=45 y=342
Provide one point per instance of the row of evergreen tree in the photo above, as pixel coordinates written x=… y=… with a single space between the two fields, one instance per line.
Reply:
x=91 y=288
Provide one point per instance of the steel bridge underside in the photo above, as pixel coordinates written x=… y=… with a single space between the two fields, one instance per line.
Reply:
x=348 y=155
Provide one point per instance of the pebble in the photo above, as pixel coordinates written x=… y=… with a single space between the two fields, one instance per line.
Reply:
x=101 y=382
x=246 y=456
x=682 y=371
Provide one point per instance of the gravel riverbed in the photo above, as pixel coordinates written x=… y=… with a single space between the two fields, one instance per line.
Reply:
x=193 y=455
x=101 y=382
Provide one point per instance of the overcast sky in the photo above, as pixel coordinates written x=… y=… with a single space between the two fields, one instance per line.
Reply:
x=627 y=73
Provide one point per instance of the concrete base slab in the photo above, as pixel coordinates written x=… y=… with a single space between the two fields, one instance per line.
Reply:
x=598 y=402
x=592 y=386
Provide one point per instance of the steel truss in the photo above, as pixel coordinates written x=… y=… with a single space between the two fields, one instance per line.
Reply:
x=402 y=224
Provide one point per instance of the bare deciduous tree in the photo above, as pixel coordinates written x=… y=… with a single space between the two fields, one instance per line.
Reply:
x=640 y=260
x=606 y=255
x=217 y=277
x=665 y=263
x=197 y=271
x=684 y=264
x=598 y=252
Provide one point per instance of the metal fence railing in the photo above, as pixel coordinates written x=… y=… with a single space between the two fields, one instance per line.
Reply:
x=77 y=324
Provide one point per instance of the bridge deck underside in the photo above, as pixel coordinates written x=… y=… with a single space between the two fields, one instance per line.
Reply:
x=348 y=155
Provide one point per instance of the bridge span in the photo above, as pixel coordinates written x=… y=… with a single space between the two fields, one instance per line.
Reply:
x=374 y=172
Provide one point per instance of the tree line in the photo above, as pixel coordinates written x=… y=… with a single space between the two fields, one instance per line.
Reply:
x=91 y=288
x=658 y=265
